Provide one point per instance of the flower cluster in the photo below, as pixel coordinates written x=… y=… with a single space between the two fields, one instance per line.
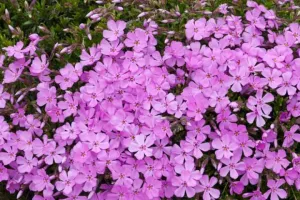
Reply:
x=129 y=121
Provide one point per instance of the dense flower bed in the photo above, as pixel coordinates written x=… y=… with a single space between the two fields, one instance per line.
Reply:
x=132 y=121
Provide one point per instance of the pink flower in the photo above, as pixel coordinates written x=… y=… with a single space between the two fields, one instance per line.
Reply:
x=67 y=78
x=15 y=51
x=277 y=161
x=174 y=54
x=54 y=153
x=275 y=190
x=256 y=20
x=141 y=145
x=273 y=76
x=152 y=187
x=291 y=136
x=196 y=29
x=252 y=168
x=3 y=97
x=168 y=104
x=258 y=115
x=46 y=95
x=197 y=106
x=287 y=85
x=206 y=187
x=38 y=65
x=133 y=61
x=8 y=156
x=225 y=146
x=187 y=181
x=110 y=48
x=232 y=165
x=275 y=57
x=41 y=182
x=261 y=101
x=81 y=152
x=195 y=143
x=121 y=120
x=67 y=181
x=239 y=78
x=26 y=163
x=137 y=39
x=89 y=59
x=87 y=178
x=116 y=30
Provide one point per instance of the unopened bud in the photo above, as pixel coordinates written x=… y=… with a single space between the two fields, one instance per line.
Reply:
x=120 y=8
x=142 y=14
x=20 y=193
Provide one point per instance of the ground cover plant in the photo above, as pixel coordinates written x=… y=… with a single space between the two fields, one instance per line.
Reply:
x=149 y=100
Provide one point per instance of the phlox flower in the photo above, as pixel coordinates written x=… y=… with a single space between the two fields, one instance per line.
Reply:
x=187 y=181
x=206 y=186
x=291 y=136
x=4 y=96
x=277 y=161
x=15 y=50
x=66 y=181
x=141 y=146
x=39 y=65
x=225 y=146
x=275 y=191
x=116 y=30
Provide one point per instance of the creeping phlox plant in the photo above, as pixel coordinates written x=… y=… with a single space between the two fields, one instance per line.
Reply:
x=216 y=111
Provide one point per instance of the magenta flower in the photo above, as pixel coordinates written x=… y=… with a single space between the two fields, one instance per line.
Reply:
x=67 y=78
x=133 y=61
x=287 y=85
x=89 y=59
x=275 y=190
x=3 y=97
x=276 y=56
x=141 y=146
x=187 y=181
x=225 y=146
x=261 y=101
x=273 y=76
x=255 y=195
x=16 y=50
x=3 y=173
x=81 y=152
x=174 y=54
x=252 y=168
x=46 y=95
x=239 y=78
x=67 y=181
x=196 y=29
x=38 y=65
x=87 y=178
x=255 y=19
x=196 y=144
x=9 y=155
x=232 y=165
x=54 y=153
x=197 y=106
x=291 y=136
x=137 y=39
x=277 y=161
x=26 y=163
x=111 y=48
x=41 y=182
x=116 y=30
x=152 y=187
x=207 y=188
x=121 y=120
